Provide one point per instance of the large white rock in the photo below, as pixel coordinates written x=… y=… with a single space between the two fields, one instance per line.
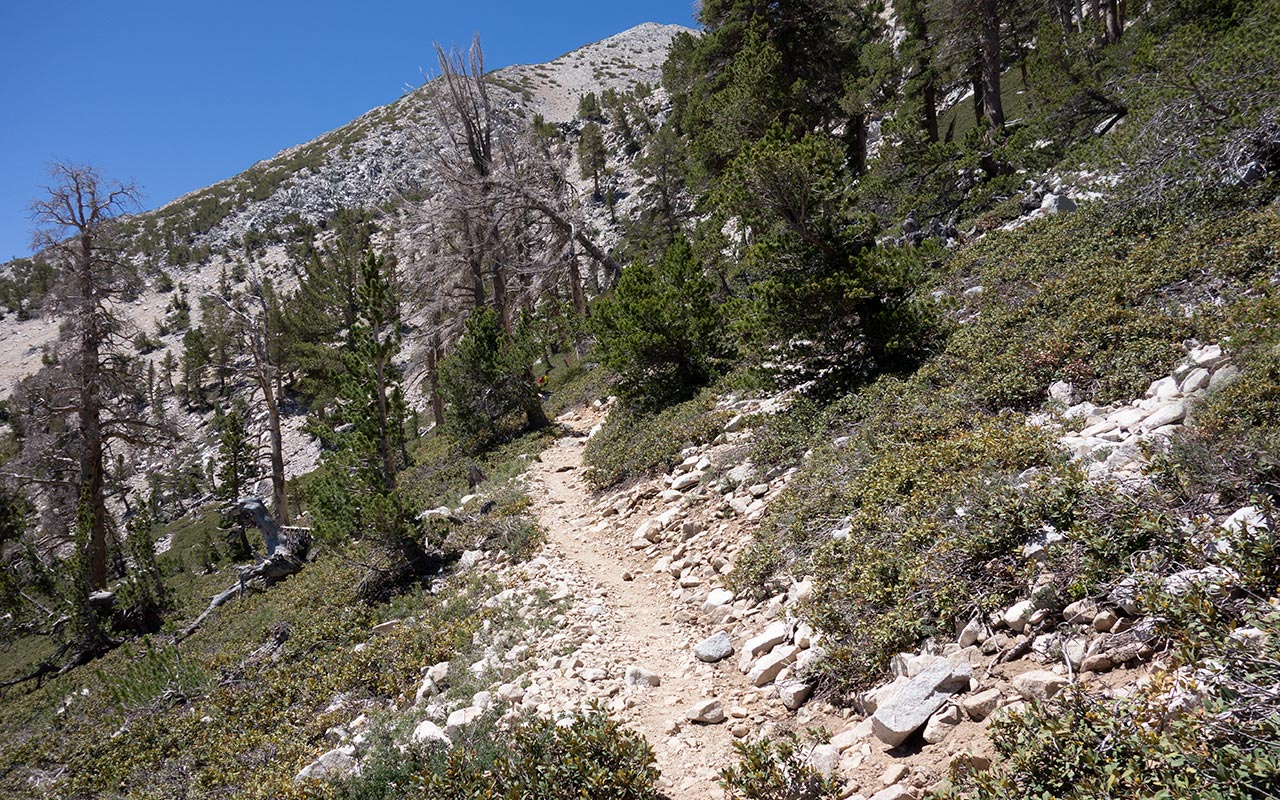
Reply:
x=428 y=731
x=425 y=690
x=765 y=641
x=707 y=712
x=824 y=758
x=1017 y=615
x=917 y=699
x=980 y=705
x=686 y=481
x=793 y=694
x=771 y=663
x=717 y=597
x=1194 y=381
x=1246 y=520
x=460 y=718
x=1208 y=356
x=439 y=673
x=1057 y=204
x=337 y=763
x=639 y=676
x=1169 y=414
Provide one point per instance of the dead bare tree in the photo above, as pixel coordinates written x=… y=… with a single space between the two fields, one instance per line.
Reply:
x=76 y=226
x=505 y=208
x=257 y=326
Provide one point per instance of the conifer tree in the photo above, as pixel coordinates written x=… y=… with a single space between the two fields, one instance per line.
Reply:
x=592 y=156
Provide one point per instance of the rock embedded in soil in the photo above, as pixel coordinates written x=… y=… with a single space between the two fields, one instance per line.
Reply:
x=917 y=699
x=707 y=712
x=716 y=647
x=1039 y=684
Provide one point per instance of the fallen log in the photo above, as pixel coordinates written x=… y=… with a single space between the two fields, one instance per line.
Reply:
x=287 y=550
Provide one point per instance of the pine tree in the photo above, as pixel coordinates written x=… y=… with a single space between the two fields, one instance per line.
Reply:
x=592 y=156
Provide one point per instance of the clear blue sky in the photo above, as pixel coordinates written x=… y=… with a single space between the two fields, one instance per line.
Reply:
x=177 y=95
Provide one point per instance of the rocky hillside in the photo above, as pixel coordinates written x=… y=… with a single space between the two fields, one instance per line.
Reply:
x=377 y=161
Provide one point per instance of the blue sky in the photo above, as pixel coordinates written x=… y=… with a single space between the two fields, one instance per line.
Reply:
x=180 y=94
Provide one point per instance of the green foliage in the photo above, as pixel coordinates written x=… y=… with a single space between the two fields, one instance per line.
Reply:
x=1093 y=299
x=589 y=107
x=25 y=285
x=1231 y=450
x=775 y=769
x=487 y=382
x=635 y=444
x=538 y=759
x=142 y=597
x=321 y=313
x=825 y=302
x=236 y=461
x=355 y=493
x=157 y=674
x=661 y=331
x=593 y=158
x=1219 y=745
x=202 y=721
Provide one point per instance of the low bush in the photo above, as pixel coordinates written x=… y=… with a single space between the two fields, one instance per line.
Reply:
x=537 y=759
x=775 y=769
x=634 y=444
x=1207 y=730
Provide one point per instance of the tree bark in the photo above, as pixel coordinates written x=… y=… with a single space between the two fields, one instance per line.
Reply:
x=1113 y=24
x=433 y=375
x=929 y=97
x=989 y=45
x=92 y=478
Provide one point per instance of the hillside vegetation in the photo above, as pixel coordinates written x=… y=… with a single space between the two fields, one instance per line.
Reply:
x=946 y=334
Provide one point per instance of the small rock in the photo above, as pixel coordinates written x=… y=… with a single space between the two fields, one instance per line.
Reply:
x=897 y=791
x=639 y=676
x=896 y=773
x=460 y=718
x=979 y=706
x=1104 y=620
x=941 y=723
x=336 y=763
x=772 y=663
x=708 y=712
x=1017 y=615
x=384 y=627
x=794 y=693
x=716 y=647
x=717 y=597
x=1081 y=612
x=825 y=758
x=428 y=731
x=1039 y=684
x=971 y=633
x=686 y=481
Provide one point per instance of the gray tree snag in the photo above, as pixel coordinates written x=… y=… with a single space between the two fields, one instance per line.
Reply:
x=287 y=550
x=75 y=226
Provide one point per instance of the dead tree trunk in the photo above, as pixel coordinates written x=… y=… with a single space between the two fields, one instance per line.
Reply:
x=287 y=550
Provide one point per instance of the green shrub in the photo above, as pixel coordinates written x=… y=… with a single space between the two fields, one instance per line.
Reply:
x=1220 y=744
x=775 y=769
x=487 y=385
x=661 y=331
x=537 y=759
x=1231 y=448
x=634 y=444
